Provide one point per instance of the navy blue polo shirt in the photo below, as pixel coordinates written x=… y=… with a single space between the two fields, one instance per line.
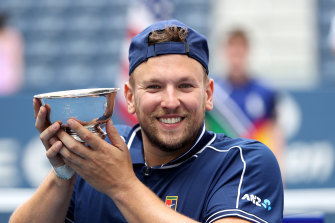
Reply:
x=217 y=177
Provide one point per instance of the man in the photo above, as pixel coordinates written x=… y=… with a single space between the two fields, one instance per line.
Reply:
x=245 y=105
x=168 y=168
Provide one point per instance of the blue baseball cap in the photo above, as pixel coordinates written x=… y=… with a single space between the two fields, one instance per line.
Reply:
x=195 y=46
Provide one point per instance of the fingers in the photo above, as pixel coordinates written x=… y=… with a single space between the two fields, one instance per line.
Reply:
x=73 y=145
x=48 y=132
x=47 y=106
x=54 y=149
x=94 y=141
x=53 y=154
x=113 y=135
x=41 y=115
x=47 y=136
x=36 y=104
x=76 y=153
x=71 y=159
x=41 y=122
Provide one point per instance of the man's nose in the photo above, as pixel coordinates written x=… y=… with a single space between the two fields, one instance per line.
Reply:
x=170 y=98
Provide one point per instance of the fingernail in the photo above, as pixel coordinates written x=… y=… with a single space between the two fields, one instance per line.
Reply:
x=58 y=145
x=70 y=122
x=55 y=126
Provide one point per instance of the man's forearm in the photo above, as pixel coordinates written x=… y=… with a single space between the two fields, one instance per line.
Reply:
x=139 y=204
x=48 y=204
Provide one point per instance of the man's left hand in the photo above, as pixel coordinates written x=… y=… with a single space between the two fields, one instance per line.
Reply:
x=106 y=167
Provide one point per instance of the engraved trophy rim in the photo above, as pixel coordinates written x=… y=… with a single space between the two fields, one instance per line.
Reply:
x=76 y=93
x=93 y=122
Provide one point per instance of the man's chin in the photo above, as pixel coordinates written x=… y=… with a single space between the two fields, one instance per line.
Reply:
x=170 y=148
x=172 y=140
x=172 y=144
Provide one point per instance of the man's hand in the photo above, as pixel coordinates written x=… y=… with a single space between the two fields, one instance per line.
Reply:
x=106 y=167
x=52 y=198
x=48 y=131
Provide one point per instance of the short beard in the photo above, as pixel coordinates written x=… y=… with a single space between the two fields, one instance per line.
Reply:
x=171 y=145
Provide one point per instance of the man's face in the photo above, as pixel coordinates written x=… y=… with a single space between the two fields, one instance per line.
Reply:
x=169 y=96
x=236 y=51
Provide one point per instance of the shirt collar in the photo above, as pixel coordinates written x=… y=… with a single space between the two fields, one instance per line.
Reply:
x=135 y=146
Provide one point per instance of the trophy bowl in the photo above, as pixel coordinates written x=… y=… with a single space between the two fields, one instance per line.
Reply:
x=90 y=107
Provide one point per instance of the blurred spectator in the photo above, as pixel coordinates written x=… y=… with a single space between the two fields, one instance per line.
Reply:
x=244 y=106
x=11 y=58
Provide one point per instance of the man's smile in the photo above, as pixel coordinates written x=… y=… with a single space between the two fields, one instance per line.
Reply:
x=170 y=120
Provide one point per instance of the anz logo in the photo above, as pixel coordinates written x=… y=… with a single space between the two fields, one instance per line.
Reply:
x=258 y=201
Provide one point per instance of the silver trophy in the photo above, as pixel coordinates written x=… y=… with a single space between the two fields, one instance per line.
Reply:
x=90 y=107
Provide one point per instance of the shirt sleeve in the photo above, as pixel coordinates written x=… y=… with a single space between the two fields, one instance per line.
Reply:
x=248 y=186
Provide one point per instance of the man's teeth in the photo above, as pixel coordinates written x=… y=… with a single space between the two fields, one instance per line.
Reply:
x=170 y=120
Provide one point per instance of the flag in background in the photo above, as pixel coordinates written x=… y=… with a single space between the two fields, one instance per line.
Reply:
x=227 y=117
x=141 y=14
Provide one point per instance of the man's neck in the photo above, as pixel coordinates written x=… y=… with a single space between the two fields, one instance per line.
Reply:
x=154 y=156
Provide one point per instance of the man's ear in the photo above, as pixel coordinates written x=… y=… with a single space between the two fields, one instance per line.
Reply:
x=129 y=95
x=209 y=94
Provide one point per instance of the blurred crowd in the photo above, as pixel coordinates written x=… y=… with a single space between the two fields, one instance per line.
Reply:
x=11 y=57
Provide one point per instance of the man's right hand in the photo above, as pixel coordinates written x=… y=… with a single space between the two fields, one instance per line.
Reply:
x=48 y=133
x=51 y=200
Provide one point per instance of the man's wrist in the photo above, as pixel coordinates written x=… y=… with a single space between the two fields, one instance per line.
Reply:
x=125 y=192
x=64 y=172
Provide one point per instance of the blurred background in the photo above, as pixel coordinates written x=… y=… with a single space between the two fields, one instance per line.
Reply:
x=57 y=45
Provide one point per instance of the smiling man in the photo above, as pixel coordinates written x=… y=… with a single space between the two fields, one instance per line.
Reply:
x=167 y=168
x=170 y=110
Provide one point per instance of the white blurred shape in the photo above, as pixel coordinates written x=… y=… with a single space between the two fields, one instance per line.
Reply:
x=35 y=163
x=8 y=162
x=289 y=115
x=309 y=162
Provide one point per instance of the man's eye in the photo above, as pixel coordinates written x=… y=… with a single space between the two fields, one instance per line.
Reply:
x=185 y=86
x=153 y=87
